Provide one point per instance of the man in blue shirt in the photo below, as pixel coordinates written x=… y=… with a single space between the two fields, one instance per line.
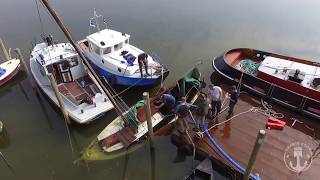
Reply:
x=168 y=101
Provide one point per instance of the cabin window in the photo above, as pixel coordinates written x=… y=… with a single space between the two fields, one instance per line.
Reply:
x=126 y=41
x=64 y=66
x=118 y=46
x=73 y=62
x=107 y=50
x=96 y=49
x=49 y=69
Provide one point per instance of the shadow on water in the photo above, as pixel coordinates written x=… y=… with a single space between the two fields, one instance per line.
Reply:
x=125 y=168
x=42 y=106
x=152 y=161
x=6 y=88
x=4 y=143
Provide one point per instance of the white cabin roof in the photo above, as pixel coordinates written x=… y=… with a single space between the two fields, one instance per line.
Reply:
x=52 y=54
x=108 y=36
x=282 y=68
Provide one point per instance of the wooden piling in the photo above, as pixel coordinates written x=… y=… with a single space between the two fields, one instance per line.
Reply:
x=147 y=111
x=4 y=50
x=254 y=154
x=60 y=101
x=23 y=62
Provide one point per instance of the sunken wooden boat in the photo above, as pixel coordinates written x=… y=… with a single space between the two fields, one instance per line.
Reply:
x=291 y=82
x=121 y=136
x=8 y=70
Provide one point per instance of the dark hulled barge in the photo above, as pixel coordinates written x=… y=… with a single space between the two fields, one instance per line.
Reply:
x=291 y=82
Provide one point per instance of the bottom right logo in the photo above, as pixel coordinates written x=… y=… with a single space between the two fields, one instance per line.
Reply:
x=298 y=157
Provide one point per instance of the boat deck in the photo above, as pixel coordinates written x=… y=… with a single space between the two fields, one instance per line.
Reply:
x=78 y=90
x=237 y=138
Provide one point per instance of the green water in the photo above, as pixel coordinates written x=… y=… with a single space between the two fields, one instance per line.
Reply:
x=180 y=32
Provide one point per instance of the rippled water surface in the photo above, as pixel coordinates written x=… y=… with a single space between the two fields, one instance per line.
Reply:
x=180 y=32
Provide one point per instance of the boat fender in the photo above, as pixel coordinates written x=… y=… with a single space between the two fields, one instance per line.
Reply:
x=273 y=123
x=112 y=79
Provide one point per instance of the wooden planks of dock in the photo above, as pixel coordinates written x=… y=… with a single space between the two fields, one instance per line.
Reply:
x=237 y=138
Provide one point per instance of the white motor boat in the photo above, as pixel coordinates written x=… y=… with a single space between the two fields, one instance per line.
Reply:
x=83 y=97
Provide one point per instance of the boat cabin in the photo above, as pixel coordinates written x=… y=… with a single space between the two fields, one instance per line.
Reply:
x=107 y=41
x=61 y=61
x=303 y=74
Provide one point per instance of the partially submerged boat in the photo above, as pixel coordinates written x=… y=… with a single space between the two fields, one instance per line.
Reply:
x=120 y=134
x=82 y=96
x=115 y=59
x=8 y=70
x=289 y=81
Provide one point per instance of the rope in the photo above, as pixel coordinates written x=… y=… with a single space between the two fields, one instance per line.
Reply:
x=223 y=122
x=69 y=137
x=41 y=24
x=128 y=88
x=122 y=106
x=268 y=111
x=248 y=66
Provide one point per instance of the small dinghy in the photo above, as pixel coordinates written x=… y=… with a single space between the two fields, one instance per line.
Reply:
x=118 y=61
x=8 y=70
x=82 y=96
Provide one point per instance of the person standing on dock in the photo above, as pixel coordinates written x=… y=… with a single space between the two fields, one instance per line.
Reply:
x=143 y=61
x=215 y=93
x=234 y=96
x=202 y=110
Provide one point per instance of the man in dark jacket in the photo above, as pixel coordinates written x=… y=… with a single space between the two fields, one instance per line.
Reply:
x=234 y=96
x=143 y=61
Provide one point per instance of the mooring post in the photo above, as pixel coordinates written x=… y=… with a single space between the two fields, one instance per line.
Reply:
x=254 y=154
x=4 y=50
x=60 y=101
x=147 y=111
x=23 y=62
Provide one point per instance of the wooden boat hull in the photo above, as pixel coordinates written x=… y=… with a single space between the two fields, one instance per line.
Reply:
x=97 y=152
x=127 y=81
x=292 y=100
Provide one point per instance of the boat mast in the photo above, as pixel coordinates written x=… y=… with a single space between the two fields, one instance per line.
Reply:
x=76 y=47
x=95 y=16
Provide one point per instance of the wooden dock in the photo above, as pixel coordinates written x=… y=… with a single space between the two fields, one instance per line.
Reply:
x=237 y=138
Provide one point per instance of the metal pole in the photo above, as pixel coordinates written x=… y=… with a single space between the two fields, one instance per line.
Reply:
x=4 y=50
x=18 y=52
x=254 y=154
x=147 y=111
x=60 y=101
x=76 y=47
